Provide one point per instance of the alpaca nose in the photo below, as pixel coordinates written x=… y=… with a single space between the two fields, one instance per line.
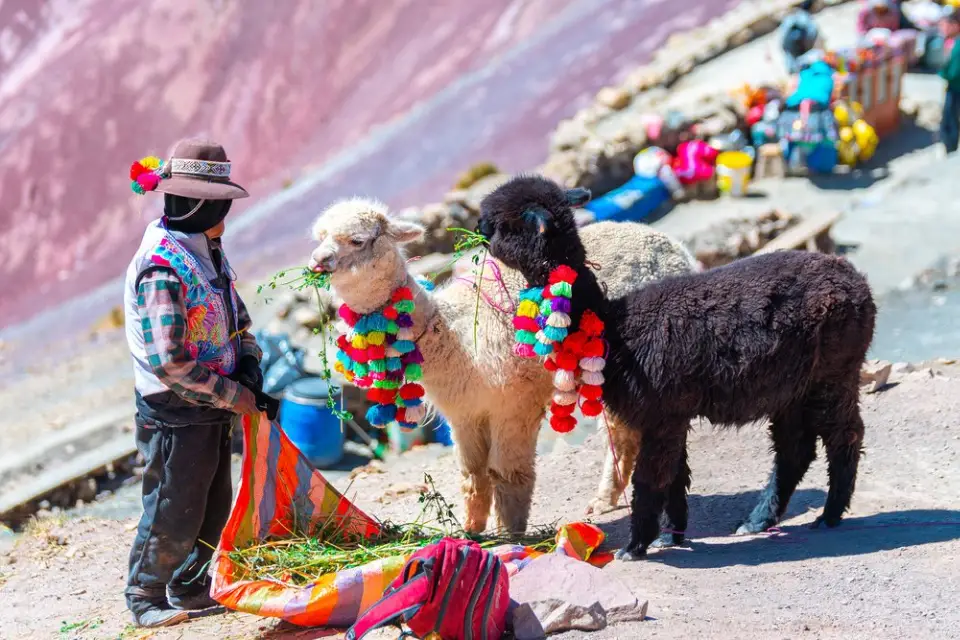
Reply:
x=323 y=262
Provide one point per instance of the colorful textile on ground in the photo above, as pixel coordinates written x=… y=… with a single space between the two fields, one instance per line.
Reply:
x=145 y=174
x=577 y=359
x=207 y=339
x=280 y=492
x=380 y=355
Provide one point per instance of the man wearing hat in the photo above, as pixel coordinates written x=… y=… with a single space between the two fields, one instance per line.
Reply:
x=196 y=366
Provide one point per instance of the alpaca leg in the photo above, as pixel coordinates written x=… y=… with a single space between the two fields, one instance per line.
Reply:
x=795 y=447
x=513 y=471
x=673 y=521
x=658 y=465
x=623 y=444
x=842 y=432
x=473 y=448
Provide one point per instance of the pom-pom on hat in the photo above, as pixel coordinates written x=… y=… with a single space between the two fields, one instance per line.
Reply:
x=197 y=169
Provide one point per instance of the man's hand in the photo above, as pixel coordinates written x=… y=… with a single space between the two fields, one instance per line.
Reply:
x=246 y=403
x=249 y=374
x=268 y=405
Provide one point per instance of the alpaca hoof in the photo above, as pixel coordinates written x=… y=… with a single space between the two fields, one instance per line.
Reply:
x=599 y=506
x=830 y=522
x=628 y=555
x=750 y=528
x=667 y=541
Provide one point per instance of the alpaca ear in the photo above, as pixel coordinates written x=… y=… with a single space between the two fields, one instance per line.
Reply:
x=578 y=196
x=403 y=231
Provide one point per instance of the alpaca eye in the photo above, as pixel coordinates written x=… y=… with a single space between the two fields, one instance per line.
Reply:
x=357 y=242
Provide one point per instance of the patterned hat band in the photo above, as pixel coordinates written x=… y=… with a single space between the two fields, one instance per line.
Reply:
x=201 y=168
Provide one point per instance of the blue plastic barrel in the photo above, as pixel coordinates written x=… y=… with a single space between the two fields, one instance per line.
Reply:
x=441 y=433
x=309 y=424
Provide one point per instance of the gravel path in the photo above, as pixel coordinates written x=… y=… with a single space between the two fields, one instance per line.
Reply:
x=888 y=572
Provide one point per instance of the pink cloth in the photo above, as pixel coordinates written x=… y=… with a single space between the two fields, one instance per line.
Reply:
x=868 y=19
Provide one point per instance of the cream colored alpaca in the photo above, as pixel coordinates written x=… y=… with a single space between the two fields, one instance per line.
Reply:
x=494 y=401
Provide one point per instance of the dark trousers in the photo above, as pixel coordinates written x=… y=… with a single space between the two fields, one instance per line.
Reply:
x=950 y=121
x=187 y=495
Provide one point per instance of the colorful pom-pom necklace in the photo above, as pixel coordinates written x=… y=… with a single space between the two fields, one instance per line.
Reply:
x=576 y=358
x=380 y=355
x=145 y=174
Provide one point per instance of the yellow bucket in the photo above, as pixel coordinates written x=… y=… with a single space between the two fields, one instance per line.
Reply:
x=733 y=172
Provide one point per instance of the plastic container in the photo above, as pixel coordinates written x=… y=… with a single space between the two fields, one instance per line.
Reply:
x=309 y=424
x=733 y=172
x=634 y=201
x=405 y=439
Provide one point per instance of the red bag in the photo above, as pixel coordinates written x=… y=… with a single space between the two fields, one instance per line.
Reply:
x=452 y=588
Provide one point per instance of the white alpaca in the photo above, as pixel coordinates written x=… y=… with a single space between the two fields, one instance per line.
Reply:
x=494 y=401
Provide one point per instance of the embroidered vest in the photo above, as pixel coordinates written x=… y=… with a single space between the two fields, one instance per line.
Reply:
x=208 y=338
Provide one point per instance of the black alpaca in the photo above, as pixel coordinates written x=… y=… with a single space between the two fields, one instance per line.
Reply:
x=780 y=336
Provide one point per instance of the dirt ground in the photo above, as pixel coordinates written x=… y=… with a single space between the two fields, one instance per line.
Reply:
x=888 y=572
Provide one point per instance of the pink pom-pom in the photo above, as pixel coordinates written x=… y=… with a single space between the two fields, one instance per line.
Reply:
x=149 y=181
x=348 y=315
x=524 y=350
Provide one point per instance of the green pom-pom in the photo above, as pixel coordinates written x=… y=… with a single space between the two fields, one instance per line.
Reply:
x=404 y=306
x=545 y=308
x=556 y=334
x=392 y=328
x=561 y=289
x=379 y=366
x=386 y=384
x=360 y=369
x=413 y=373
x=526 y=337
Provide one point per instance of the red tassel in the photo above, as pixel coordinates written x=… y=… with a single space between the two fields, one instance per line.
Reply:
x=401 y=414
x=348 y=315
x=390 y=313
x=563 y=424
x=591 y=392
x=592 y=408
x=591 y=324
x=567 y=361
x=563 y=273
x=359 y=355
x=550 y=364
x=376 y=352
x=403 y=293
x=342 y=344
x=562 y=409
x=381 y=396
x=594 y=349
x=411 y=391
x=575 y=343
x=521 y=323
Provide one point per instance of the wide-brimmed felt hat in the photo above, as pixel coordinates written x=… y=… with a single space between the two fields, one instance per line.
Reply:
x=199 y=169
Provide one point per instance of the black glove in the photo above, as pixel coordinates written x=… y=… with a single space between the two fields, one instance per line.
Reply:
x=249 y=374
x=267 y=403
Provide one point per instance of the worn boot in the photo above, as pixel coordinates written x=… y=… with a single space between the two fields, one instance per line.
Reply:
x=150 y=609
x=195 y=599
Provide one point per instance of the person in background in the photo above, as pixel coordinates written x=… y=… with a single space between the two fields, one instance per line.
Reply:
x=950 y=117
x=196 y=366
x=878 y=14
x=798 y=34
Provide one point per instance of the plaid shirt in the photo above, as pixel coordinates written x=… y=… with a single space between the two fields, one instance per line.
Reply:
x=163 y=318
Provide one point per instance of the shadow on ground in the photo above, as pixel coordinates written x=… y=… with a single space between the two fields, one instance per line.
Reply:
x=718 y=516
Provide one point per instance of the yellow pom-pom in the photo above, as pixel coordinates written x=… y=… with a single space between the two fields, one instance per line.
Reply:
x=358 y=342
x=528 y=309
x=349 y=375
x=338 y=367
x=376 y=337
x=150 y=162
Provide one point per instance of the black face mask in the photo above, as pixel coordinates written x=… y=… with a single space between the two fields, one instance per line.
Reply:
x=177 y=210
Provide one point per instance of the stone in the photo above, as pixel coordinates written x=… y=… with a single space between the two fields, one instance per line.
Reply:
x=874 y=375
x=565 y=591
x=615 y=98
x=533 y=621
x=741 y=37
x=569 y=134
